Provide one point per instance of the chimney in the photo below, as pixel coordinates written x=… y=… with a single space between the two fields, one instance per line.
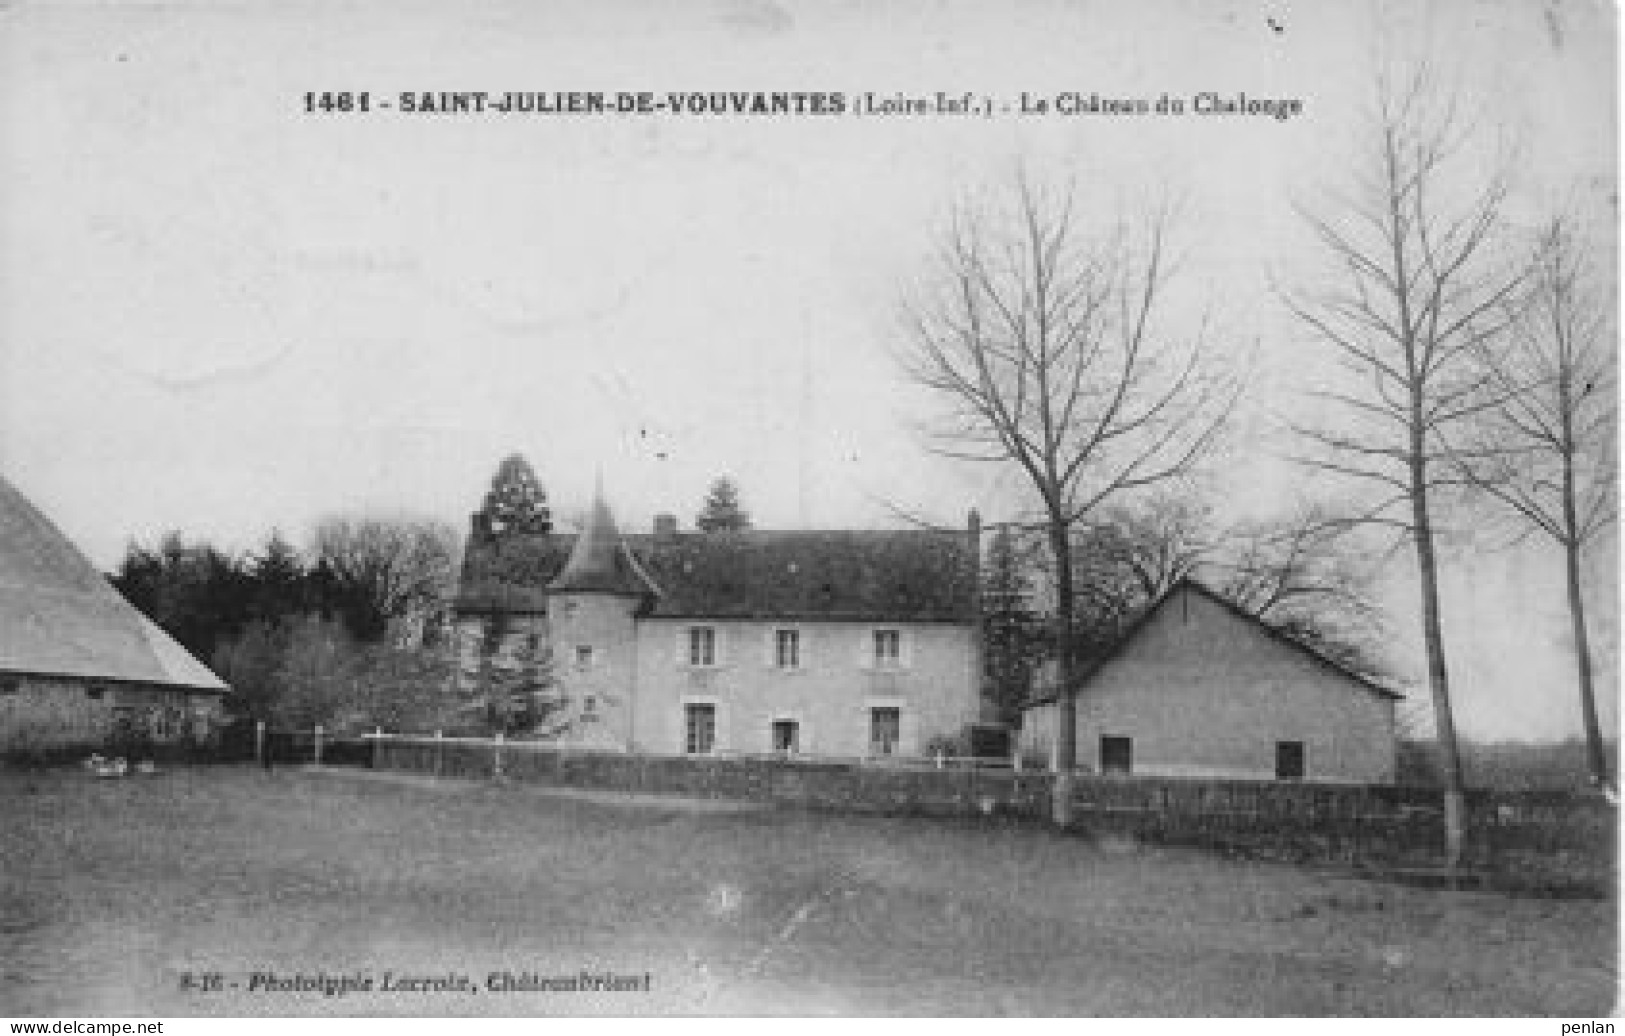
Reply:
x=665 y=526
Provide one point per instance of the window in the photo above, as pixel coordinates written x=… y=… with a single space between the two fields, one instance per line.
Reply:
x=885 y=730
x=161 y=722
x=95 y=691
x=583 y=656
x=787 y=649
x=786 y=736
x=534 y=642
x=9 y=685
x=888 y=649
x=700 y=725
x=1116 y=755
x=1289 y=760
x=589 y=704
x=702 y=646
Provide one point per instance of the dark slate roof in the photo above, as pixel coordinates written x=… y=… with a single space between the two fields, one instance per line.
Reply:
x=510 y=572
x=60 y=617
x=1195 y=586
x=600 y=561
x=868 y=575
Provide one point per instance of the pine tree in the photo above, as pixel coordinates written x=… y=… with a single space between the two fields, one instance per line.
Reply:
x=1013 y=633
x=722 y=511
x=516 y=501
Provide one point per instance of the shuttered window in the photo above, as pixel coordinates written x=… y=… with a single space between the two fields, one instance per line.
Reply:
x=888 y=649
x=700 y=729
x=787 y=649
x=702 y=646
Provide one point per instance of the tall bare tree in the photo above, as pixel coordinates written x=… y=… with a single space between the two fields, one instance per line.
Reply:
x=1556 y=422
x=1047 y=344
x=1419 y=288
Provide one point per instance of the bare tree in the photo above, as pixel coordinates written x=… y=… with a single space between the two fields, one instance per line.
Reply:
x=389 y=574
x=1304 y=574
x=1045 y=342
x=1555 y=424
x=1418 y=293
x=1168 y=534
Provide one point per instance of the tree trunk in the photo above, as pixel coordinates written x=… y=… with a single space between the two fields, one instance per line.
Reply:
x=1571 y=542
x=1455 y=811
x=1066 y=723
x=1595 y=754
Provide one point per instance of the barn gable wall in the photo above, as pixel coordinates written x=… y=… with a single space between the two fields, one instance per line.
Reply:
x=1204 y=691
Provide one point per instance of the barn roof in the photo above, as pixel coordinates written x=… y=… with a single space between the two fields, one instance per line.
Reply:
x=60 y=617
x=857 y=575
x=1194 y=586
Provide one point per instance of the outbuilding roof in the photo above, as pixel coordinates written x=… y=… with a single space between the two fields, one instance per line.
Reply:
x=60 y=617
x=1191 y=585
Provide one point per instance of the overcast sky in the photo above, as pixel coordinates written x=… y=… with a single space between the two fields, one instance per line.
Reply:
x=221 y=313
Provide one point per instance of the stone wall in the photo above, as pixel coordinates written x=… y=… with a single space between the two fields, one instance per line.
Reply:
x=1529 y=839
x=39 y=713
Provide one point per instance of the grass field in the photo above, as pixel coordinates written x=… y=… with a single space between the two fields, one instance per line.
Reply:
x=114 y=890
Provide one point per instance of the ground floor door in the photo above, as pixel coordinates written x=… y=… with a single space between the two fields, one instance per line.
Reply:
x=1116 y=755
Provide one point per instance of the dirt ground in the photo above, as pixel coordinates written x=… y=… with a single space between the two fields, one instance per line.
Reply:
x=114 y=894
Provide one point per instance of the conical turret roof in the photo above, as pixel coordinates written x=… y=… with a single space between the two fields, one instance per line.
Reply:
x=600 y=561
x=60 y=617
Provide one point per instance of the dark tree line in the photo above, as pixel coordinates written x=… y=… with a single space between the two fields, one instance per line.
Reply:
x=304 y=636
x=371 y=576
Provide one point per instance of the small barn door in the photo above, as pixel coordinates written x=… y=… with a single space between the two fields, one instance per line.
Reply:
x=1116 y=755
x=1289 y=760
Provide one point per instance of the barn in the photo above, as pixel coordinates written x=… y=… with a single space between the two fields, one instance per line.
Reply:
x=1199 y=688
x=79 y=666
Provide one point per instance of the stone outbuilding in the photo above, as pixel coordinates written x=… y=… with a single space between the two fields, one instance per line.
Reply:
x=79 y=666
x=1200 y=688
